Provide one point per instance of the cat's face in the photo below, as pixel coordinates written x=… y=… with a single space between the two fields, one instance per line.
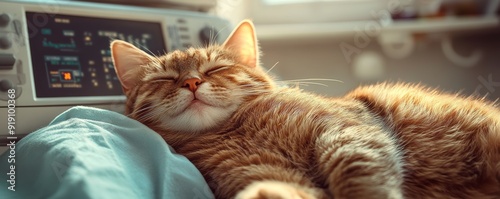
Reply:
x=192 y=90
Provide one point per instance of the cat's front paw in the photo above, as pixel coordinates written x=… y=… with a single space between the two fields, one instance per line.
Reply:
x=274 y=190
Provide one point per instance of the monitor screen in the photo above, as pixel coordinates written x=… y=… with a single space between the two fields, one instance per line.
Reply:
x=71 y=57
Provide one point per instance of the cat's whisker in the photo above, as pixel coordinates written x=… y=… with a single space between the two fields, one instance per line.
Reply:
x=314 y=79
x=145 y=109
x=255 y=87
x=218 y=33
x=211 y=41
x=149 y=116
x=244 y=93
x=272 y=67
x=153 y=59
x=135 y=113
x=252 y=86
x=307 y=83
x=144 y=47
x=141 y=110
x=145 y=117
x=158 y=61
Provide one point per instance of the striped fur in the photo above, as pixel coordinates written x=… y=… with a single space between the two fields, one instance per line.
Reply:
x=252 y=139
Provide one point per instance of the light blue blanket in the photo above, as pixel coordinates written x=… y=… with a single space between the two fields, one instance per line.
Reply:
x=93 y=153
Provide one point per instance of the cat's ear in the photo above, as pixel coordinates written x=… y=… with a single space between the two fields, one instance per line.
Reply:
x=244 y=41
x=127 y=60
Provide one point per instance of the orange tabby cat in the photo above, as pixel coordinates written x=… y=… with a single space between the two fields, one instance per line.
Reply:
x=253 y=139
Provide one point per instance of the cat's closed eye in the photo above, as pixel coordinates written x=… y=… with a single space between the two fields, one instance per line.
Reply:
x=216 y=69
x=163 y=79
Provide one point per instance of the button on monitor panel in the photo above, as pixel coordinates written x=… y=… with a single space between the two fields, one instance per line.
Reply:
x=71 y=56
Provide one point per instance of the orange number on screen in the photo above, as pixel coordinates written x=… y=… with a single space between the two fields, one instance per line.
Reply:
x=67 y=76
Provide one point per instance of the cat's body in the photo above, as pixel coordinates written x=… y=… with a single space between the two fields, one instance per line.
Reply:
x=253 y=139
x=434 y=153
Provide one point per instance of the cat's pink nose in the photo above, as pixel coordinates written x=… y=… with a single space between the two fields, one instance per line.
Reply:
x=192 y=83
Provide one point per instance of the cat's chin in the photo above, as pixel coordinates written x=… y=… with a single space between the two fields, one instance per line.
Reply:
x=199 y=117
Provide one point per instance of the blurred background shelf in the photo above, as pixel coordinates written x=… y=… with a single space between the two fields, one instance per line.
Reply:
x=451 y=24
x=339 y=29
